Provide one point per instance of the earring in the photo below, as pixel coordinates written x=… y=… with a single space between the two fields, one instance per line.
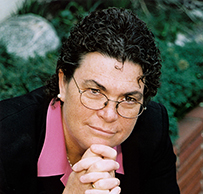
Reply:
x=59 y=96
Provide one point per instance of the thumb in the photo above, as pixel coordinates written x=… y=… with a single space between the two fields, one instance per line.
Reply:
x=89 y=153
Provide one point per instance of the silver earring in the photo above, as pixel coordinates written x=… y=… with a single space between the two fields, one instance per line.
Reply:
x=59 y=96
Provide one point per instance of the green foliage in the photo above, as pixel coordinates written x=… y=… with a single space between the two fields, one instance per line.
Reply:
x=33 y=6
x=116 y=3
x=69 y=16
x=18 y=76
x=165 y=18
x=182 y=81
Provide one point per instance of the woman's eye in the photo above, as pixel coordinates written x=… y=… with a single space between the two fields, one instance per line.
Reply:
x=94 y=91
x=130 y=99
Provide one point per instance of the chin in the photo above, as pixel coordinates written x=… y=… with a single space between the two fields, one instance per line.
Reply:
x=103 y=142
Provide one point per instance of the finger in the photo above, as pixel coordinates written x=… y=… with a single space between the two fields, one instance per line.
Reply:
x=85 y=163
x=104 y=151
x=89 y=153
x=116 y=190
x=107 y=184
x=96 y=191
x=94 y=176
x=104 y=165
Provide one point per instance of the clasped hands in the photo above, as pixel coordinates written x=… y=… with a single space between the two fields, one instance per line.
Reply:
x=95 y=172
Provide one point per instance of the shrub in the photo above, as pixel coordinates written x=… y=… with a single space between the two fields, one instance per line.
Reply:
x=166 y=18
x=182 y=81
x=69 y=16
x=19 y=76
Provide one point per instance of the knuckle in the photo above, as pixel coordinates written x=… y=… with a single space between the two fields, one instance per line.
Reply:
x=107 y=175
x=114 y=153
x=100 y=184
x=97 y=165
x=117 y=182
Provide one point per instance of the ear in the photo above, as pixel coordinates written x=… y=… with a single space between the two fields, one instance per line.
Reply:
x=62 y=85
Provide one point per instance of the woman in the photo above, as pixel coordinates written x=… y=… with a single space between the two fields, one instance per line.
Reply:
x=95 y=130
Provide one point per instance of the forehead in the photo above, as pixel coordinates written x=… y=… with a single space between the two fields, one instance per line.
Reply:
x=108 y=71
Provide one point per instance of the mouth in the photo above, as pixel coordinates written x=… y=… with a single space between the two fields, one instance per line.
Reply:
x=101 y=131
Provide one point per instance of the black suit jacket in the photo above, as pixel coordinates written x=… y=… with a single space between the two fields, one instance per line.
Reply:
x=149 y=161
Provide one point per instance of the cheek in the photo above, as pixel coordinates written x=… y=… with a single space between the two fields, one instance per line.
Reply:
x=127 y=128
x=72 y=101
x=129 y=124
x=75 y=112
x=70 y=106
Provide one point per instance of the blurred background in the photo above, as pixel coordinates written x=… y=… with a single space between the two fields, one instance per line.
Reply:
x=31 y=32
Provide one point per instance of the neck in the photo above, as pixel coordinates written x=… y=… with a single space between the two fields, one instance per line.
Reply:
x=73 y=150
x=73 y=154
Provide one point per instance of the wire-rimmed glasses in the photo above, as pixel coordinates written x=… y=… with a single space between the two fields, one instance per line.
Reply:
x=95 y=100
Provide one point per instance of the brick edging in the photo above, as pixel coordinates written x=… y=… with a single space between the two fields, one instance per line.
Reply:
x=189 y=151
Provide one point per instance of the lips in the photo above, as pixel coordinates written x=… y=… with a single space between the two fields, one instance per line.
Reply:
x=102 y=131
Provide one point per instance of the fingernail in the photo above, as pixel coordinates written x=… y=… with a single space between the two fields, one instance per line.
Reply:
x=74 y=168
x=118 y=165
x=82 y=179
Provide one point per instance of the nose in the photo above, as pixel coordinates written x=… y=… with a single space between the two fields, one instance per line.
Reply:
x=108 y=113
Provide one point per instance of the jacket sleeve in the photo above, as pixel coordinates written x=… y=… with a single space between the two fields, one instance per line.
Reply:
x=162 y=171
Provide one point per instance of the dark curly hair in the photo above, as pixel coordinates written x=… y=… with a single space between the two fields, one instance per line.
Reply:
x=117 y=33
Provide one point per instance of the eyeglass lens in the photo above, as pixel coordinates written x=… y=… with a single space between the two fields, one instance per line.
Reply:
x=96 y=101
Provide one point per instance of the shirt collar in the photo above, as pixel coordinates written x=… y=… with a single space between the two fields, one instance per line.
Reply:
x=53 y=159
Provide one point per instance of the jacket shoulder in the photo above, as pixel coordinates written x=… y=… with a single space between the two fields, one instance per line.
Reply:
x=155 y=116
x=22 y=129
x=17 y=105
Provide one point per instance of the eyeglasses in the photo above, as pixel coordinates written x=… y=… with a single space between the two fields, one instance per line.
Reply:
x=95 y=100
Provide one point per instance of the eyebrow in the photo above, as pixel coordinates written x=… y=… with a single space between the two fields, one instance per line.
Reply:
x=90 y=82
x=133 y=93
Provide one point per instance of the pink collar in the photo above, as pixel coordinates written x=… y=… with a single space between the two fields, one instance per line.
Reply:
x=53 y=159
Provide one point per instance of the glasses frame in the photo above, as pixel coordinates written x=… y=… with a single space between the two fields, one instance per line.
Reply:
x=106 y=103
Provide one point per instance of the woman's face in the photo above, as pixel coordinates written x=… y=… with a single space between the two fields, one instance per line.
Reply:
x=82 y=126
